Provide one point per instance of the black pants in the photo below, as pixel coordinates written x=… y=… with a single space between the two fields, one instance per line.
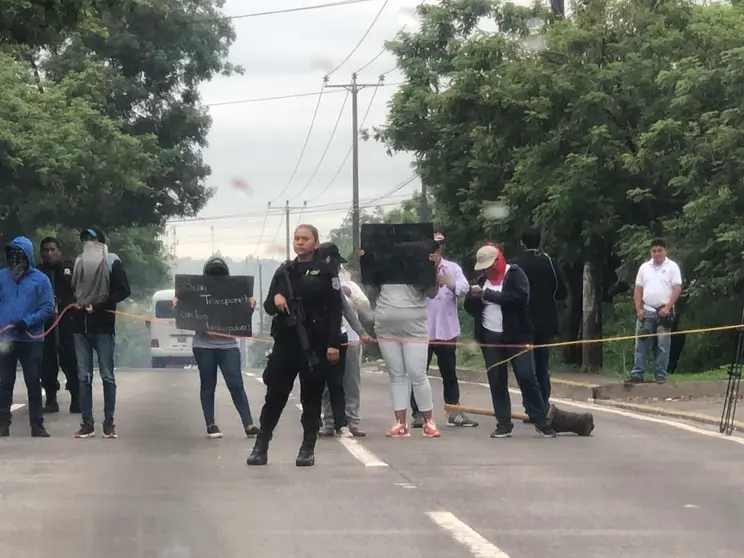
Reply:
x=335 y=383
x=541 y=357
x=30 y=355
x=498 y=381
x=285 y=362
x=59 y=352
x=447 y=363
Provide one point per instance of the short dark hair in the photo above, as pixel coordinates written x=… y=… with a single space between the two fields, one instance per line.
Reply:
x=660 y=242
x=48 y=240
x=531 y=239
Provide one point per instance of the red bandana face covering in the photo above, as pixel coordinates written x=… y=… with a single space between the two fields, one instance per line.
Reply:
x=496 y=272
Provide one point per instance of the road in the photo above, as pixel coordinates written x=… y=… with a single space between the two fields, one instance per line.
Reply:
x=640 y=487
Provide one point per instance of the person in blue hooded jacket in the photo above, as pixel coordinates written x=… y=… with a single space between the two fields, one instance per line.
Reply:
x=26 y=303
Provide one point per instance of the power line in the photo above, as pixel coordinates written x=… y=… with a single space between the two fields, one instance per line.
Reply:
x=290 y=96
x=300 y=9
x=327 y=147
x=328 y=207
x=385 y=50
x=307 y=140
x=371 y=25
x=348 y=153
x=262 y=99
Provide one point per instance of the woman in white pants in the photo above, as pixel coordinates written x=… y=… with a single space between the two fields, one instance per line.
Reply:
x=401 y=317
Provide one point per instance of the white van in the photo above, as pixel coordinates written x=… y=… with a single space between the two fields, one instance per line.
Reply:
x=168 y=344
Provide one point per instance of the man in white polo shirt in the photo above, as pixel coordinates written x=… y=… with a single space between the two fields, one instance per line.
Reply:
x=657 y=287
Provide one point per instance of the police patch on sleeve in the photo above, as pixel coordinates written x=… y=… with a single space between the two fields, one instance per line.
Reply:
x=335 y=283
x=68 y=271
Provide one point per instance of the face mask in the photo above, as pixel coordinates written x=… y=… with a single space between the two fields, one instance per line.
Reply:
x=18 y=262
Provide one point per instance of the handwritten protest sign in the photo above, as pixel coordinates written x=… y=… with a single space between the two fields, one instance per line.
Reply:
x=397 y=254
x=215 y=304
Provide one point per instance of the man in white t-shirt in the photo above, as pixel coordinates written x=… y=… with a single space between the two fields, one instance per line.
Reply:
x=657 y=287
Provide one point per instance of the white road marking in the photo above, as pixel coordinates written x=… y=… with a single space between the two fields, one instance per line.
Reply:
x=467 y=537
x=363 y=455
x=17 y=406
x=258 y=379
x=249 y=373
x=299 y=406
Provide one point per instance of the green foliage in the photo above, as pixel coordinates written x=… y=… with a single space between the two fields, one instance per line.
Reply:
x=101 y=120
x=624 y=123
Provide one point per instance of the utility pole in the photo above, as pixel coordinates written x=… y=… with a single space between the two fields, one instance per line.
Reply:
x=212 y=229
x=286 y=224
x=354 y=88
x=424 y=216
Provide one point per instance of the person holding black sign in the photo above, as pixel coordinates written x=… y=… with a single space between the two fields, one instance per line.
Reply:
x=304 y=299
x=212 y=351
x=401 y=324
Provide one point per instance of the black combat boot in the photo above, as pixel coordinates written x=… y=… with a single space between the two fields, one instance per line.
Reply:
x=74 y=405
x=51 y=404
x=260 y=453
x=306 y=455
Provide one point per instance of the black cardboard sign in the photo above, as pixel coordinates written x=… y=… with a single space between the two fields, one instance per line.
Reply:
x=219 y=304
x=397 y=254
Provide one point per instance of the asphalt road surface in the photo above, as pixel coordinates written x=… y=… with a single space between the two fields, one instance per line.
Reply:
x=640 y=487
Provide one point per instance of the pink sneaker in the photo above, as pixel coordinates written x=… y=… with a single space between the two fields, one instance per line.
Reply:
x=431 y=430
x=399 y=431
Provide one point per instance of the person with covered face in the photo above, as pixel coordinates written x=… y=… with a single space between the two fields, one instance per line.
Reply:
x=99 y=282
x=26 y=303
x=341 y=396
x=401 y=324
x=212 y=351
x=304 y=300
x=499 y=305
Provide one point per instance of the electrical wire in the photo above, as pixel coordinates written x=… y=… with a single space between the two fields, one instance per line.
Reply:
x=371 y=25
x=327 y=147
x=277 y=98
x=291 y=96
x=385 y=50
x=337 y=4
x=348 y=153
x=304 y=146
x=263 y=227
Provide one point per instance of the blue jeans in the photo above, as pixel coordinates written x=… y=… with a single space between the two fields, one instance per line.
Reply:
x=228 y=361
x=30 y=354
x=648 y=325
x=103 y=345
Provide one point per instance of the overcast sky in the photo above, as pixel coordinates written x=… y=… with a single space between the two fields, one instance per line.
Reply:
x=259 y=143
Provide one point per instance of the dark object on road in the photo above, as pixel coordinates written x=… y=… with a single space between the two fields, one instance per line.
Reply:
x=728 y=414
x=581 y=424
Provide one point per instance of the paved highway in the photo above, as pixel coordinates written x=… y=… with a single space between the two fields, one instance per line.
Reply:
x=641 y=487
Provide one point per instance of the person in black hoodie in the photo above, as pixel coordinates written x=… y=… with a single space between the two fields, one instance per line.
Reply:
x=94 y=330
x=499 y=305
x=59 y=344
x=546 y=287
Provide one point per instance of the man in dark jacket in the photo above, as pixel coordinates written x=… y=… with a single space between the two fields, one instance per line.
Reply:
x=95 y=325
x=499 y=305
x=546 y=287
x=59 y=344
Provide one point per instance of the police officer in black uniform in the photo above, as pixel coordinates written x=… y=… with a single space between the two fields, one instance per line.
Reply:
x=59 y=348
x=304 y=299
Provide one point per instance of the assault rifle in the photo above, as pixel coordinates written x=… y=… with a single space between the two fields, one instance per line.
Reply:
x=296 y=320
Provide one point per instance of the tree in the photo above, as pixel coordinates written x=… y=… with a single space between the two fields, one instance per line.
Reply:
x=342 y=236
x=151 y=60
x=626 y=125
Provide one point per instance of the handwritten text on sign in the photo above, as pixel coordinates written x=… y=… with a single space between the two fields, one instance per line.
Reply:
x=219 y=304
